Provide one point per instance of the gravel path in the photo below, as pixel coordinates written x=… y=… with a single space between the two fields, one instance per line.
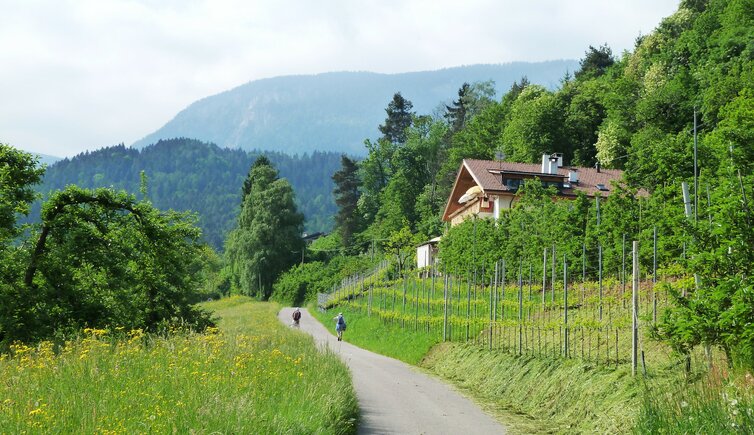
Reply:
x=394 y=397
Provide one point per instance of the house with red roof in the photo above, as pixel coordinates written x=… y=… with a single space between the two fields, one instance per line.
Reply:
x=484 y=188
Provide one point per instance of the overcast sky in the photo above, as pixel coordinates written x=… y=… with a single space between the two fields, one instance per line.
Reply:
x=83 y=74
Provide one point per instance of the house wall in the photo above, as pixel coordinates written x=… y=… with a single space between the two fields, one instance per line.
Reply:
x=426 y=255
x=474 y=209
x=423 y=256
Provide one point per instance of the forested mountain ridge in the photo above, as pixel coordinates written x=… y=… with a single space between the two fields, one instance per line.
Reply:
x=331 y=111
x=190 y=175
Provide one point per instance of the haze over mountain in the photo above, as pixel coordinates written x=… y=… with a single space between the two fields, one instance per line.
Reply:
x=333 y=111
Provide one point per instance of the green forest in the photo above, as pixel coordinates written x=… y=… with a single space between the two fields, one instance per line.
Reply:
x=189 y=175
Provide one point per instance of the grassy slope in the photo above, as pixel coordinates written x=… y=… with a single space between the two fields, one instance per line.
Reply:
x=545 y=395
x=529 y=395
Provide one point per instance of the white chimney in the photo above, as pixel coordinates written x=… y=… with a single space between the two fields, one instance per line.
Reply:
x=545 y=163
x=553 y=164
x=573 y=176
x=560 y=160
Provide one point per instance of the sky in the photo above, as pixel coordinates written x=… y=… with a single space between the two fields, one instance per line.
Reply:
x=79 y=75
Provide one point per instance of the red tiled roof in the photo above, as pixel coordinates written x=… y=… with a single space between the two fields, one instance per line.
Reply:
x=487 y=174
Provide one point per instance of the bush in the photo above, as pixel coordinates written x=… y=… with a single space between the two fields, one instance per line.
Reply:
x=302 y=282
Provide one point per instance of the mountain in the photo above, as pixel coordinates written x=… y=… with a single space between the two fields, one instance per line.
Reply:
x=190 y=175
x=333 y=111
x=45 y=159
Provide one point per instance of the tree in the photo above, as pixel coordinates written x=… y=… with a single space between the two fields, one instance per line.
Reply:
x=610 y=143
x=401 y=243
x=399 y=118
x=347 y=195
x=267 y=240
x=595 y=62
x=534 y=126
x=472 y=99
x=585 y=111
x=101 y=259
x=248 y=181
x=19 y=172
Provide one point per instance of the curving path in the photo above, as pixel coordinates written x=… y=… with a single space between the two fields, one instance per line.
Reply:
x=394 y=398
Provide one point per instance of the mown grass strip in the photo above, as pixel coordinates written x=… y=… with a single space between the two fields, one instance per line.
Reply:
x=252 y=375
x=385 y=338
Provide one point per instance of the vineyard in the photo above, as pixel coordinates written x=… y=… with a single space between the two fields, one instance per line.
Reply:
x=546 y=309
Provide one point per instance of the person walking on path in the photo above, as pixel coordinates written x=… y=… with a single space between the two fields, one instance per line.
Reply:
x=296 y=316
x=340 y=325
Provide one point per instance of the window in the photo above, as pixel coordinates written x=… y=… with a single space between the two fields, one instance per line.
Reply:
x=512 y=184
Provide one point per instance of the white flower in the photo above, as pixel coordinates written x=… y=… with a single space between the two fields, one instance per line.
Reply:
x=684 y=404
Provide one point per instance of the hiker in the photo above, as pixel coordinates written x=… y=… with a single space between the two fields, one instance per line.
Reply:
x=296 y=316
x=340 y=325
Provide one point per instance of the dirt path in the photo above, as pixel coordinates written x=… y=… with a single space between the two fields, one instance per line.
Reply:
x=395 y=398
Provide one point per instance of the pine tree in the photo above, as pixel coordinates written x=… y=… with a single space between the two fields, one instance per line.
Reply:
x=347 y=197
x=399 y=117
x=456 y=113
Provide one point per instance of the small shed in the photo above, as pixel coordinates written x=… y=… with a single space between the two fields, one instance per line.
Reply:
x=426 y=253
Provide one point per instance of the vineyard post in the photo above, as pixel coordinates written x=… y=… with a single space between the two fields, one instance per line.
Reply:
x=404 y=279
x=475 y=288
x=424 y=283
x=445 y=305
x=468 y=302
x=502 y=290
x=416 y=301
x=654 y=276
x=492 y=305
x=634 y=313
x=599 y=276
x=520 y=307
x=528 y=304
x=583 y=271
x=552 y=280
x=544 y=278
x=623 y=274
x=565 y=306
x=431 y=294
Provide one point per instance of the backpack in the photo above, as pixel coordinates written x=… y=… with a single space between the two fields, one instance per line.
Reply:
x=296 y=315
x=342 y=323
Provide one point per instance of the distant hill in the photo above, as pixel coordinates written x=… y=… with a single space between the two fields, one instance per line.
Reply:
x=45 y=159
x=189 y=175
x=332 y=111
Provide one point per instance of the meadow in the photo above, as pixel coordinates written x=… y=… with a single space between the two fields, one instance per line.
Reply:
x=249 y=375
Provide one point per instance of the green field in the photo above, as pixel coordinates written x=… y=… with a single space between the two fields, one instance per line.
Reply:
x=250 y=375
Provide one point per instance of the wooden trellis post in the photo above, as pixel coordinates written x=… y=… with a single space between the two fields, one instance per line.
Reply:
x=565 y=306
x=634 y=310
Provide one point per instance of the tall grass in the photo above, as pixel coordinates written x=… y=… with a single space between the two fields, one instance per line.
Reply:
x=715 y=404
x=252 y=375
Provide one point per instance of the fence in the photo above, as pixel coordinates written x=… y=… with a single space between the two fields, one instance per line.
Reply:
x=351 y=286
x=508 y=307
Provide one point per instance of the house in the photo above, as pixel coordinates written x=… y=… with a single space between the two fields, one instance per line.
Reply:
x=483 y=187
x=426 y=253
